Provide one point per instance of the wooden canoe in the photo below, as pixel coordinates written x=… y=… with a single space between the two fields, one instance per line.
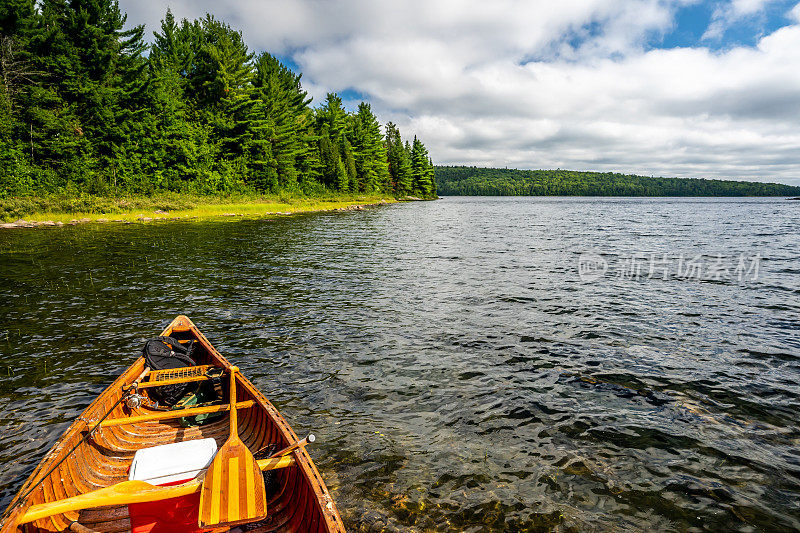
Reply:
x=298 y=500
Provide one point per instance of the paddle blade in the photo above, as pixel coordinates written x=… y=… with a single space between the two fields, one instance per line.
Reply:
x=233 y=489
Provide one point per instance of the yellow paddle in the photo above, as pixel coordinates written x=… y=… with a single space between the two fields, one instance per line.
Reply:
x=123 y=493
x=233 y=489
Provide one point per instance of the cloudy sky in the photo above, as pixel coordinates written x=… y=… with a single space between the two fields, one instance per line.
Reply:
x=663 y=87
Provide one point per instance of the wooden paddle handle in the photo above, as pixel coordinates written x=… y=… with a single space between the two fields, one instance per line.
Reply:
x=234 y=430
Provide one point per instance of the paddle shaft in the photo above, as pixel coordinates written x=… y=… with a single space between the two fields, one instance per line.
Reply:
x=232 y=399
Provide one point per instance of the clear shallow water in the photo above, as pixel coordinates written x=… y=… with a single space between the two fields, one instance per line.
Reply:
x=458 y=373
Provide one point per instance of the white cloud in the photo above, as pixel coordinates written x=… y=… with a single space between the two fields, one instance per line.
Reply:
x=747 y=7
x=794 y=14
x=540 y=84
x=730 y=12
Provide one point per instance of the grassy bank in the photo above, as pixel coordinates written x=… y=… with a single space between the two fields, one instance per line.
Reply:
x=64 y=209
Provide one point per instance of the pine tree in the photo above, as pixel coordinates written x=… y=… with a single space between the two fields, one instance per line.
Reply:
x=369 y=150
x=421 y=170
x=431 y=178
x=170 y=60
x=333 y=115
x=98 y=66
x=287 y=114
x=329 y=158
x=221 y=78
x=399 y=162
x=174 y=49
x=18 y=21
x=332 y=121
x=346 y=154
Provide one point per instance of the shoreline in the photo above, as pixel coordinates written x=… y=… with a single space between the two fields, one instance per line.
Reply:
x=233 y=210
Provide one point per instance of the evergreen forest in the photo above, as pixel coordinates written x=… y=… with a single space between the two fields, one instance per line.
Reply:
x=88 y=105
x=478 y=181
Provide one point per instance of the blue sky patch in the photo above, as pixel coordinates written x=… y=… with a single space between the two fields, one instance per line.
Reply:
x=692 y=22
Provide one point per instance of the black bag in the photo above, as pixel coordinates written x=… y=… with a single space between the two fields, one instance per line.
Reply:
x=165 y=353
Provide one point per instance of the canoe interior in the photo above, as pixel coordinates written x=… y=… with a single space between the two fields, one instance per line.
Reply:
x=297 y=498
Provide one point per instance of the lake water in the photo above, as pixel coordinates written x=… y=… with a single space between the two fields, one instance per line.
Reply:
x=470 y=364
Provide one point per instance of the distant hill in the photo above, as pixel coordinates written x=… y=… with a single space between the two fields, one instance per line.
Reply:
x=476 y=181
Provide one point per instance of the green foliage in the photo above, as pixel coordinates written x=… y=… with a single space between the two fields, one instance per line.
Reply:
x=399 y=161
x=85 y=109
x=331 y=120
x=369 y=150
x=422 y=173
x=287 y=132
x=476 y=181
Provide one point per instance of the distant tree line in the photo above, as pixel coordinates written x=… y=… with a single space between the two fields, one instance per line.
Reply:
x=477 y=181
x=85 y=108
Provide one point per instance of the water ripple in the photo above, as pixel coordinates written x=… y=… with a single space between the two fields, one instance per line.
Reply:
x=458 y=373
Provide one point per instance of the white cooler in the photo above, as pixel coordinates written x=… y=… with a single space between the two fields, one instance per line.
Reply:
x=170 y=464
